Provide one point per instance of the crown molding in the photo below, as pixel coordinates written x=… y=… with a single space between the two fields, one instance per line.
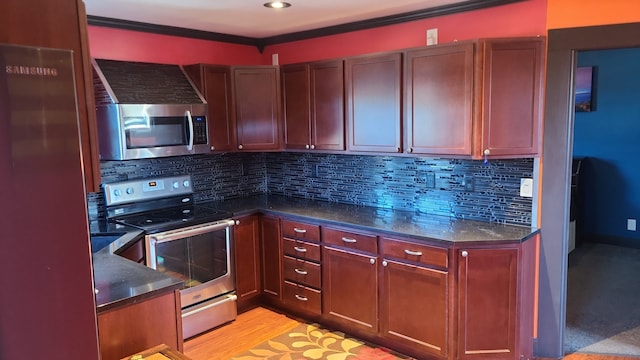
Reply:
x=260 y=43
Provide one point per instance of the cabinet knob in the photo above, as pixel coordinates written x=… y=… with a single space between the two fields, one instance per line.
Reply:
x=306 y=146
x=384 y=263
x=213 y=148
x=410 y=150
x=486 y=152
x=464 y=253
x=240 y=147
x=372 y=261
x=398 y=150
x=313 y=147
x=237 y=222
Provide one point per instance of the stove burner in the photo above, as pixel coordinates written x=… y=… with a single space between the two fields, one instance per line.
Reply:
x=164 y=219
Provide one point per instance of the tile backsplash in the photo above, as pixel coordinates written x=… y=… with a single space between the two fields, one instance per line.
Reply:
x=463 y=189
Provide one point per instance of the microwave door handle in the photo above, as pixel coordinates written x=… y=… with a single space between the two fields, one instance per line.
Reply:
x=193 y=231
x=190 y=121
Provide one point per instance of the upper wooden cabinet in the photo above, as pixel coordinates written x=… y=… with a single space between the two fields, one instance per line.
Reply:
x=475 y=98
x=512 y=92
x=256 y=92
x=313 y=105
x=373 y=88
x=214 y=82
x=439 y=99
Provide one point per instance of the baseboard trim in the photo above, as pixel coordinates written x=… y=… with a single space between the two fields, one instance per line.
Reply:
x=614 y=240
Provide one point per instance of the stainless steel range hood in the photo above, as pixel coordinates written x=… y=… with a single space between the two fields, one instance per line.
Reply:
x=134 y=103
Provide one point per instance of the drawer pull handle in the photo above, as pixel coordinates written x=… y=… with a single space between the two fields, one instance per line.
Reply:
x=299 y=231
x=349 y=240
x=301 y=298
x=413 y=253
x=299 y=249
x=300 y=272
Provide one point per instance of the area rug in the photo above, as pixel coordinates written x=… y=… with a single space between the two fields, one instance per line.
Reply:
x=311 y=341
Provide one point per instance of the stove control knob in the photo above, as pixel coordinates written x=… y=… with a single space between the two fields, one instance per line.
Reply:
x=129 y=191
x=117 y=192
x=175 y=185
x=186 y=183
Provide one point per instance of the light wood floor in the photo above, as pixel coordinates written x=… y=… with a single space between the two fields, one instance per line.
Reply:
x=258 y=325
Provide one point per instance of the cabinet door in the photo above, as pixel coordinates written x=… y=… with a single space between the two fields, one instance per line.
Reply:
x=487 y=290
x=271 y=259
x=247 y=259
x=511 y=97
x=296 y=106
x=217 y=91
x=327 y=105
x=414 y=307
x=373 y=93
x=439 y=99
x=257 y=104
x=351 y=301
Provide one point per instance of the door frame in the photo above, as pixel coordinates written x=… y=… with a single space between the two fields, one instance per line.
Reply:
x=563 y=45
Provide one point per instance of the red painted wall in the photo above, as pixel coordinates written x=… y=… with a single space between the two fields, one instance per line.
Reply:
x=527 y=18
x=117 y=44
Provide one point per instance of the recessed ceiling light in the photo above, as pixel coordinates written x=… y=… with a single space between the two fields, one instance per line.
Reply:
x=277 y=4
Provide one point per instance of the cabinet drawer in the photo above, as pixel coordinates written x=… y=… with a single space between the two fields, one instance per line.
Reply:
x=298 y=230
x=351 y=240
x=420 y=253
x=301 y=249
x=302 y=298
x=302 y=272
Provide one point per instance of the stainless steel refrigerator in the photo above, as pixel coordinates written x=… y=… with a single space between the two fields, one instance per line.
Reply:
x=47 y=304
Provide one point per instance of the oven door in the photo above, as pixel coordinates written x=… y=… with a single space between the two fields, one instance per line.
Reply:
x=199 y=255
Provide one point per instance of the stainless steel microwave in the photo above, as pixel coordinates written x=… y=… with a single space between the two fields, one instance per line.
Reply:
x=134 y=131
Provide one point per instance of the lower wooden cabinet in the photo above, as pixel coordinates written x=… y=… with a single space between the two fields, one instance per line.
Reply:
x=271 y=247
x=247 y=260
x=350 y=289
x=414 y=307
x=495 y=301
x=133 y=328
x=430 y=301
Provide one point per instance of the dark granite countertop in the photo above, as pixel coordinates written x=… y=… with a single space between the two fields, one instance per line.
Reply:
x=414 y=225
x=119 y=281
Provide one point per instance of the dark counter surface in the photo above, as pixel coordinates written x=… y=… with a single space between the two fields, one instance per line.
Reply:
x=119 y=281
x=414 y=225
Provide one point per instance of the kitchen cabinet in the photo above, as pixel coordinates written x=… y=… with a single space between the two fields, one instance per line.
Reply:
x=439 y=84
x=60 y=26
x=246 y=236
x=373 y=89
x=475 y=98
x=214 y=82
x=256 y=93
x=495 y=301
x=313 y=105
x=134 y=252
x=350 y=280
x=135 y=327
x=302 y=267
x=511 y=98
x=271 y=250
x=415 y=297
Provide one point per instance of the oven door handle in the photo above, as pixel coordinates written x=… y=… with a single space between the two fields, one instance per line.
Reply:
x=192 y=231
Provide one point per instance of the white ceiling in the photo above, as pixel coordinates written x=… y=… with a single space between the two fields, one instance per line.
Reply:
x=249 y=17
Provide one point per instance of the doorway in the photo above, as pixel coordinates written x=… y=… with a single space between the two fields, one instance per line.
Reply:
x=563 y=45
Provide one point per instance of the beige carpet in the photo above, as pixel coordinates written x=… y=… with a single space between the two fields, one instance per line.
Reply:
x=311 y=341
x=603 y=300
